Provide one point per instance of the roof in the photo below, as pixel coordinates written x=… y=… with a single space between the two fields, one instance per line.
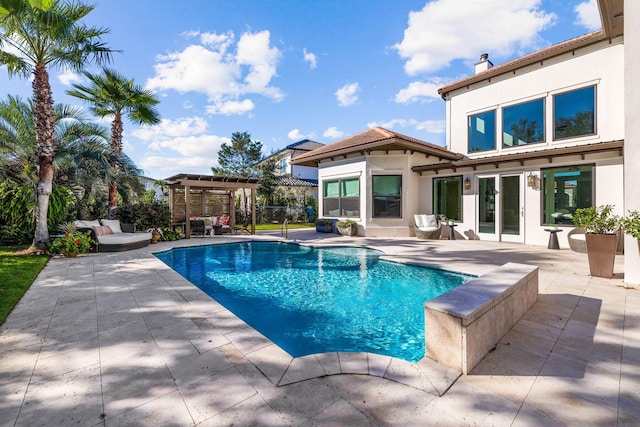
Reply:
x=288 y=181
x=304 y=145
x=374 y=139
x=211 y=181
x=612 y=17
x=523 y=61
x=521 y=158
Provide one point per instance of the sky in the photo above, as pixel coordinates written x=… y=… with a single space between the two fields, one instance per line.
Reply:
x=287 y=70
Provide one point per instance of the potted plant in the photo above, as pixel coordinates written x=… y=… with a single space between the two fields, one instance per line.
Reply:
x=156 y=234
x=347 y=227
x=72 y=243
x=601 y=227
x=324 y=225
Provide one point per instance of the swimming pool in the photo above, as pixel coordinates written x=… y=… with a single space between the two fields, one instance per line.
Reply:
x=315 y=300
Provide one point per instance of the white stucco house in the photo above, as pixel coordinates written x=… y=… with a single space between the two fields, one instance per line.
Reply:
x=284 y=157
x=527 y=143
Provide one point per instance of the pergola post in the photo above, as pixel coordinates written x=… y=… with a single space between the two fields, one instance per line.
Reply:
x=187 y=212
x=253 y=211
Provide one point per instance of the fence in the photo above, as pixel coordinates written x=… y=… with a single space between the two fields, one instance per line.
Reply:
x=277 y=214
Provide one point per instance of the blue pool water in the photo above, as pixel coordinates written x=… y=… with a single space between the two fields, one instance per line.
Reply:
x=310 y=300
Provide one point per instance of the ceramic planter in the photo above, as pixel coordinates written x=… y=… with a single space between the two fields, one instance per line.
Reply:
x=601 y=251
x=348 y=230
x=324 y=227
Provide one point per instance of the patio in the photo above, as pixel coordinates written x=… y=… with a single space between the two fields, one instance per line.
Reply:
x=120 y=339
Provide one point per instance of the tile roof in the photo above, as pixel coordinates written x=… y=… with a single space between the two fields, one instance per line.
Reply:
x=373 y=139
x=523 y=61
x=289 y=181
x=305 y=145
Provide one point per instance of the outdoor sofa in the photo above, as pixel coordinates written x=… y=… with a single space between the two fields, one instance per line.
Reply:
x=214 y=224
x=113 y=236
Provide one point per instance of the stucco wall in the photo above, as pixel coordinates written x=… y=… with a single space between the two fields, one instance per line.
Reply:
x=632 y=131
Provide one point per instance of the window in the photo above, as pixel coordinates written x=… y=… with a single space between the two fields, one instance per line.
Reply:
x=282 y=164
x=565 y=190
x=341 y=198
x=387 y=196
x=447 y=197
x=482 y=131
x=523 y=123
x=574 y=113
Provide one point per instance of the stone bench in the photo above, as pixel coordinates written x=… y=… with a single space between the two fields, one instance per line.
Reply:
x=464 y=324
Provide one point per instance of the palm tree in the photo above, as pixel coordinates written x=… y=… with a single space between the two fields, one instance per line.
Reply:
x=112 y=95
x=36 y=35
x=81 y=160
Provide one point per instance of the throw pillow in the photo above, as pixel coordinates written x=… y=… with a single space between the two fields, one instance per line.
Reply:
x=225 y=220
x=102 y=230
x=113 y=223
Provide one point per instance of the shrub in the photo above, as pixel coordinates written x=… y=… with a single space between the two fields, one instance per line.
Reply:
x=597 y=220
x=72 y=243
x=146 y=215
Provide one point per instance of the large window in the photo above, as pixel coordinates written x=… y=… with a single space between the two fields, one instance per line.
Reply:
x=574 y=113
x=523 y=123
x=447 y=197
x=341 y=198
x=565 y=190
x=482 y=131
x=387 y=196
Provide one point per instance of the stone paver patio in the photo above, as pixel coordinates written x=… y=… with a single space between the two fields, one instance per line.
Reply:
x=120 y=339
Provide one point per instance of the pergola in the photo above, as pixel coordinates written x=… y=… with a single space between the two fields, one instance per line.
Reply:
x=207 y=195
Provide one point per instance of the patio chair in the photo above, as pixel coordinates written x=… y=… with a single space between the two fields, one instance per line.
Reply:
x=576 y=239
x=427 y=226
x=197 y=227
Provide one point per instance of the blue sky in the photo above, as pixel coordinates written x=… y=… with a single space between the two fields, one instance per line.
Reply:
x=285 y=70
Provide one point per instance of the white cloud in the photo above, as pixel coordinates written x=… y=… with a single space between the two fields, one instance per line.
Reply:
x=68 y=78
x=229 y=108
x=212 y=68
x=296 y=135
x=434 y=37
x=171 y=128
x=333 y=133
x=179 y=146
x=311 y=58
x=588 y=15
x=431 y=126
x=347 y=94
x=419 y=91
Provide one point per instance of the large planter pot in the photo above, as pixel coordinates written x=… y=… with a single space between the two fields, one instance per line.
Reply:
x=348 y=230
x=601 y=251
x=324 y=228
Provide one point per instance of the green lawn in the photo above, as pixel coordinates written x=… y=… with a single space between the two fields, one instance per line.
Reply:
x=17 y=273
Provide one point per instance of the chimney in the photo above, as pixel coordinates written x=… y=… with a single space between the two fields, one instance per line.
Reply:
x=484 y=63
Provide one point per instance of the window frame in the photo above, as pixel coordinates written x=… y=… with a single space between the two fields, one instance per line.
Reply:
x=494 y=113
x=340 y=198
x=542 y=121
x=373 y=196
x=594 y=87
x=543 y=172
x=435 y=205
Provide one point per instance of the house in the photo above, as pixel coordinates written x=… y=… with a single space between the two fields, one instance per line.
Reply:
x=284 y=157
x=368 y=177
x=527 y=143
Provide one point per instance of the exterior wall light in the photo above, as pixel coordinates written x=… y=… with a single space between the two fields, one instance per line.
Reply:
x=467 y=183
x=533 y=181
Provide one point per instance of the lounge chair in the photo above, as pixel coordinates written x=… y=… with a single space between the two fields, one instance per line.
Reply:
x=113 y=236
x=427 y=226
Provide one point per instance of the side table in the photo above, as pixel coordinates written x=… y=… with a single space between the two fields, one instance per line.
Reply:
x=452 y=231
x=553 y=238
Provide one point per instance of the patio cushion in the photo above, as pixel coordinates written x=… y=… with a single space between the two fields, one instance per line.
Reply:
x=113 y=223
x=102 y=230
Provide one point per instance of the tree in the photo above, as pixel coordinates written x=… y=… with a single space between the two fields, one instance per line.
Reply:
x=78 y=144
x=113 y=95
x=36 y=35
x=268 y=181
x=239 y=159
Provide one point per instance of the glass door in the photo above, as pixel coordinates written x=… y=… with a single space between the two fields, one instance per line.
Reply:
x=487 y=208
x=511 y=208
